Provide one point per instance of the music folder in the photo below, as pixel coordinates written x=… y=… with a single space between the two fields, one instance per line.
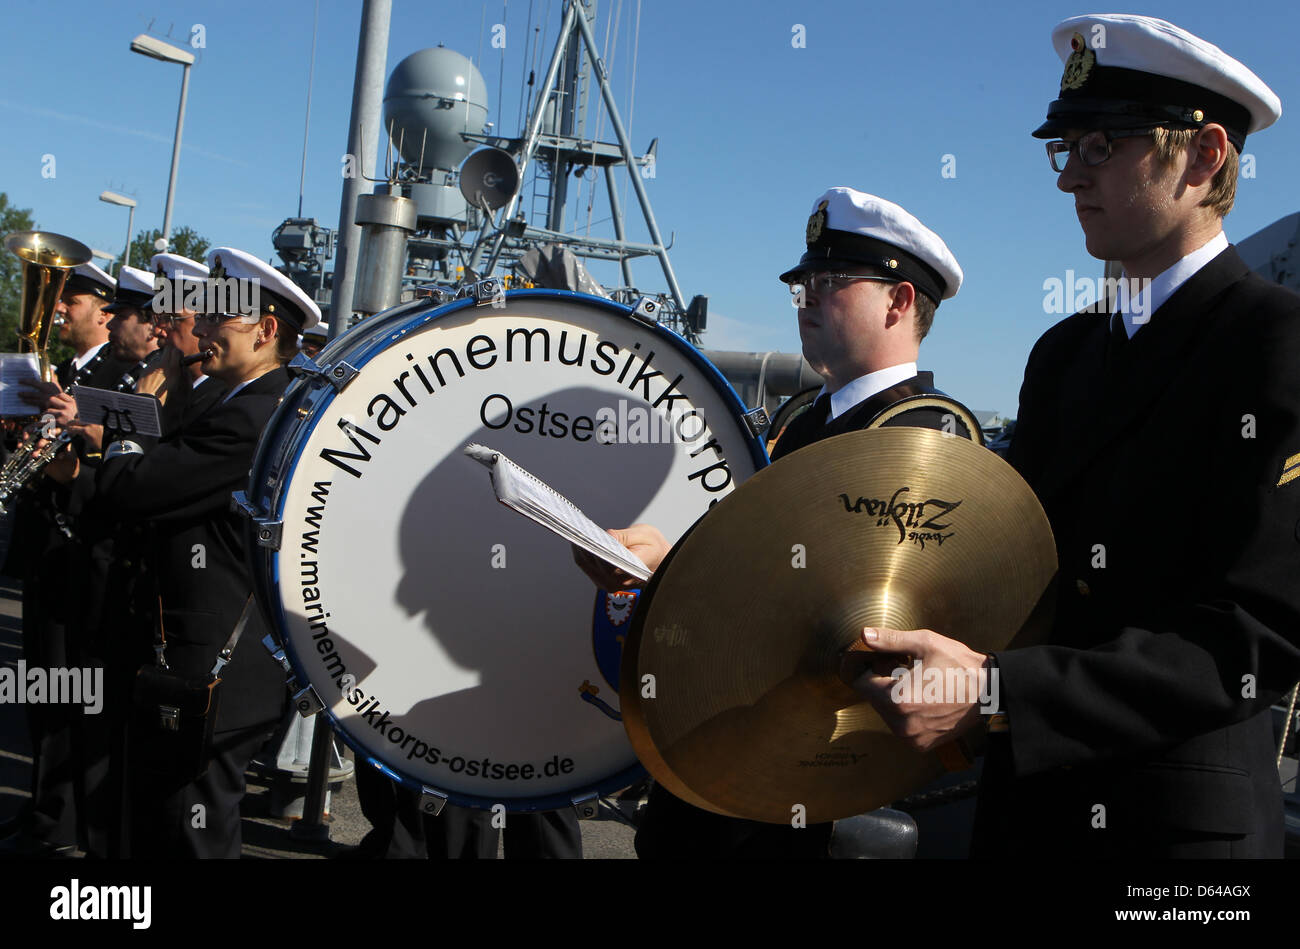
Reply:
x=117 y=411
x=15 y=367
x=524 y=492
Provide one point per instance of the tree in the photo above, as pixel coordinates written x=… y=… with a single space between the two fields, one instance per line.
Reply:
x=11 y=273
x=185 y=241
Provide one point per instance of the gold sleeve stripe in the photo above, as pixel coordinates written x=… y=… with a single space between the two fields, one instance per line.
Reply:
x=1290 y=470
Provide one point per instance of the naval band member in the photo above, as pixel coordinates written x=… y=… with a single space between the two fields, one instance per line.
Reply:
x=43 y=554
x=867 y=288
x=185 y=391
x=182 y=488
x=1142 y=727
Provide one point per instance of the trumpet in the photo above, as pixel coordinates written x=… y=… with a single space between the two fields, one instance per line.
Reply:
x=47 y=259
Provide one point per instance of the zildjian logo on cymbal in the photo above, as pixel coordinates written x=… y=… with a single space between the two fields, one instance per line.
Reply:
x=906 y=516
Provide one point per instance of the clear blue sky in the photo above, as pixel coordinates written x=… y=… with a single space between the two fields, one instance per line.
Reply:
x=751 y=129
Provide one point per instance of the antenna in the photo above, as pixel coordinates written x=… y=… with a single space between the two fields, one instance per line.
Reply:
x=306 y=125
x=392 y=171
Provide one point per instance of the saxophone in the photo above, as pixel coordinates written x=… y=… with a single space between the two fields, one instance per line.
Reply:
x=27 y=461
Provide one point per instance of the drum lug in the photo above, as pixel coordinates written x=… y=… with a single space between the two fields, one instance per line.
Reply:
x=268 y=532
x=646 y=309
x=277 y=652
x=338 y=374
x=487 y=291
x=303 y=365
x=306 y=702
x=757 y=421
x=437 y=294
x=432 y=802
x=586 y=806
x=239 y=503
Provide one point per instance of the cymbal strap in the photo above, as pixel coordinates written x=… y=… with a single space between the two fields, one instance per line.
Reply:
x=955 y=755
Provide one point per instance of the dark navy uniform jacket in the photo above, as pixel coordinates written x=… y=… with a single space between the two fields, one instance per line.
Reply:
x=1143 y=726
x=182 y=487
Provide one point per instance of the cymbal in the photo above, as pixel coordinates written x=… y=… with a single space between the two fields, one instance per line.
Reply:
x=731 y=692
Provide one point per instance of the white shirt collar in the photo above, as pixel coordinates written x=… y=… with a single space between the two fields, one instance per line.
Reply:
x=1154 y=295
x=199 y=381
x=87 y=356
x=235 y=391
x=864 y=387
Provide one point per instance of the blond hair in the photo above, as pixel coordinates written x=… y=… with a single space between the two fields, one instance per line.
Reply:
x=1223 y=189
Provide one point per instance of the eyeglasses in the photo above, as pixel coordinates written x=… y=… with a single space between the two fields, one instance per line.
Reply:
x=1094 y=147
x=214 y=319
x=827 y=282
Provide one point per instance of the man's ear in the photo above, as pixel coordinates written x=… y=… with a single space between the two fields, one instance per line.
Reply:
x=1207 y=153
x=903 y=297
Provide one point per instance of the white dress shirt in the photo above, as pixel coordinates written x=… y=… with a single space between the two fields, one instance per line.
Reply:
x=864 y=387
x=87 y=356
x=1154 y=295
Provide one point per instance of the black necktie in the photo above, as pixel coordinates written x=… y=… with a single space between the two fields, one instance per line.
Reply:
x=821 y=409
x=1117 y=338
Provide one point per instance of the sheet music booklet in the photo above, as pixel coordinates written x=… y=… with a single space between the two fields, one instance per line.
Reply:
x=529 y=495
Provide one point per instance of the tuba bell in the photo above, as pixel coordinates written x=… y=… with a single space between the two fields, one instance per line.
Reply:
x=47 y=258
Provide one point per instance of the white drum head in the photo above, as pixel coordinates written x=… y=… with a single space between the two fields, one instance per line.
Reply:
x=453 y=641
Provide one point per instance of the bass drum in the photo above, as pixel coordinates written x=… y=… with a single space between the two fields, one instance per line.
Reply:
x=454 y=644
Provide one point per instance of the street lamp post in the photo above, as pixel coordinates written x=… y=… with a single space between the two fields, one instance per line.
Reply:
x=155 y=48
x=112 y=197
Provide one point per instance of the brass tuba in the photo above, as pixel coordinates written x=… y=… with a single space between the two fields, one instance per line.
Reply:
x=47 y=258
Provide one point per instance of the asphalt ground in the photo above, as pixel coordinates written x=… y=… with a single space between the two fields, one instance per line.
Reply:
x=265 y=837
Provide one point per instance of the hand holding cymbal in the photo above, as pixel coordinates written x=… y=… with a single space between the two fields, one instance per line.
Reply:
x=899 y=695
x=734 y=690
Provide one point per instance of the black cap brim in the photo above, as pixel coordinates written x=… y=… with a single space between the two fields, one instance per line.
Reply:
x=129 y=300
x=818 y=265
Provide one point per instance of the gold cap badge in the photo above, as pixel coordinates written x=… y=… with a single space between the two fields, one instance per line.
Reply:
x=1079 y=64
x=816 y=224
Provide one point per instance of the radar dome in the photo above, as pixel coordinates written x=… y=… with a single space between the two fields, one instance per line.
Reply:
x=440 y=92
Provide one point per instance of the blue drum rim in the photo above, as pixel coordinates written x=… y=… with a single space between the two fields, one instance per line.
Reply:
x=265 y=566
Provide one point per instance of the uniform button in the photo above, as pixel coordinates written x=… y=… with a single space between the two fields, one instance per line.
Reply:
x=1082 y=587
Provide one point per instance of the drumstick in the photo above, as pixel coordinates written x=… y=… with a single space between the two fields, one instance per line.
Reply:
x=587 y=692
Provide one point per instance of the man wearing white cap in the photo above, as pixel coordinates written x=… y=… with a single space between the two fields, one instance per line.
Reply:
x=178 y=282
x=101 y=586
x=867 y=287
x=131 y=333
x=51 y=566
x=86 y=293
x=182 y=487
x=1143 y=727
